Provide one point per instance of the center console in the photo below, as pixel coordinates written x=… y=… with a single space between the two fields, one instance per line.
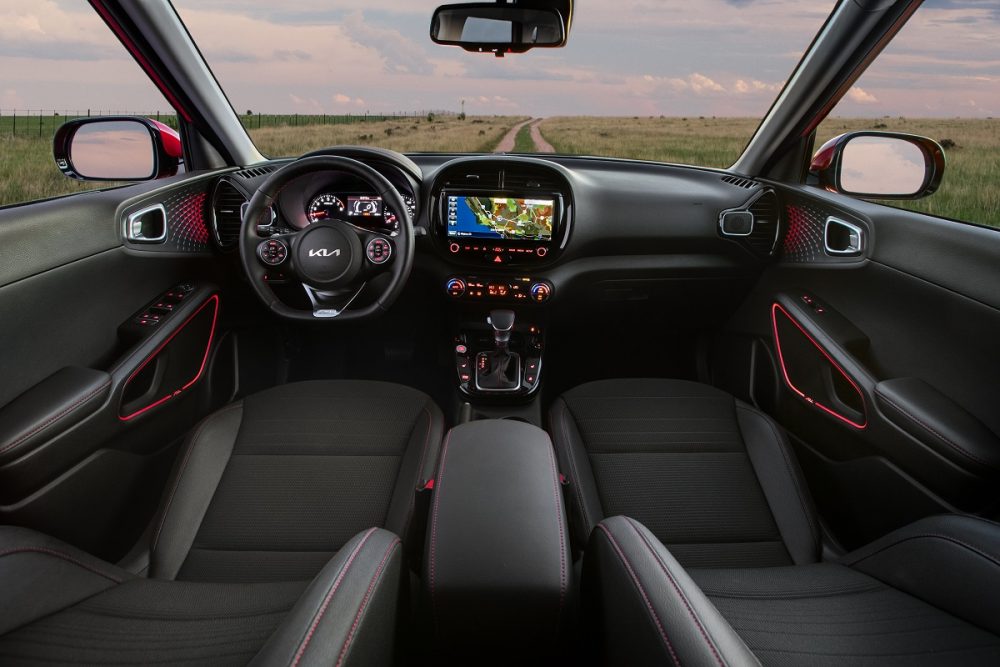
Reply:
x=497 y=572
x=499 y=223
x=503 y=360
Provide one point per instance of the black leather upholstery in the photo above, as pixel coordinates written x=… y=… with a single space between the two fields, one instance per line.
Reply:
x=60 y=605
x=939 y=423
x=710 y=477
x=645 y=607
x=264 y=548
x=55 y=404
x=924 y=595
x=950 y=561
x=497 y=569
x=270 y=488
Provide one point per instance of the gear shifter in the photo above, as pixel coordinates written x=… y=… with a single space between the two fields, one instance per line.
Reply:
x=499 y=370
x=502 y=322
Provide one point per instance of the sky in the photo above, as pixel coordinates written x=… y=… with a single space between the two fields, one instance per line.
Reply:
x=624 y=57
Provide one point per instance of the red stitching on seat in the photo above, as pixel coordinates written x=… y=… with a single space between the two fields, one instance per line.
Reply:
x=562 y=538
x=680 y=593
x=180 y=473
x=434 y=522
x=578 y=491
x=66 y=557
x=54 y=418
x=329 y=596
x=364 y=602
x=642 y=591
x=420 y=467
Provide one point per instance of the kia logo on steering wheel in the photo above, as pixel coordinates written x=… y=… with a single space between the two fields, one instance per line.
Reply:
x=323 y=252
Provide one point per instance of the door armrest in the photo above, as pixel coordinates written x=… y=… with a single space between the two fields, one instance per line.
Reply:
x=51 y=407
x=939 y=423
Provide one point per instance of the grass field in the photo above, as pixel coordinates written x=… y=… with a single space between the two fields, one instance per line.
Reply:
x=523 y=142
x=447 y=134
x=968 y=191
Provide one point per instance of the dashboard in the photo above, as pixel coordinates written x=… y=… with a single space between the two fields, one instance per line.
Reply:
x=502 y=228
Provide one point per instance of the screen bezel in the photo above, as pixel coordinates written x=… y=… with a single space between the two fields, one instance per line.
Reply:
x=557 y=215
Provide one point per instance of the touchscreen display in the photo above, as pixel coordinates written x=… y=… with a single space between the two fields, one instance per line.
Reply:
x=507 y=218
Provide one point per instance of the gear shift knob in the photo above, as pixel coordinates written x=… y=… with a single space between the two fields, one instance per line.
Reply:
x=502 y=322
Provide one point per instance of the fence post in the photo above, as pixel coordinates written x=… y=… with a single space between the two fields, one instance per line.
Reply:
x=14 y=132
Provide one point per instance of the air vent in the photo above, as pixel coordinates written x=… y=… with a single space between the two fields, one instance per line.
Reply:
x=226 y=214
x=473 y=177
x=255 y=172
x=766 y=223
x=740 y=182
x=530 y=179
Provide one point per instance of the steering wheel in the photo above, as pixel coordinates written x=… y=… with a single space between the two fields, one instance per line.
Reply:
x=332 y=260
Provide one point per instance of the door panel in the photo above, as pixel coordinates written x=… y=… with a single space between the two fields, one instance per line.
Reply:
x=104 y=371
x=884 y=367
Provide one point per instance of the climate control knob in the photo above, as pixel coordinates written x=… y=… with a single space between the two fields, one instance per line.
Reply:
x=455 y=288
x=540 y=292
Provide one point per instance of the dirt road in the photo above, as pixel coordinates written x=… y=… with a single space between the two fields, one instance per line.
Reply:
x=541 y=146
x=506 y=144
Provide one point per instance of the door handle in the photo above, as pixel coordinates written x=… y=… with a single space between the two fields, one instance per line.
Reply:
x=843 y=238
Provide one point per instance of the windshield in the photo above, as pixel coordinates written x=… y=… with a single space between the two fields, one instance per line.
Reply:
x=673 y=81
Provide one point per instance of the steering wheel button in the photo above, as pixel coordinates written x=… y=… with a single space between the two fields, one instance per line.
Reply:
x=379 y=251
x=272 y=252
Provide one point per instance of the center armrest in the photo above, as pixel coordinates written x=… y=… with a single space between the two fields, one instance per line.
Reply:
x=497 y=566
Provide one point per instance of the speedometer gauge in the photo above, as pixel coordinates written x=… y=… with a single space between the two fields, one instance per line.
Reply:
x=325 y=207
x=390 y=217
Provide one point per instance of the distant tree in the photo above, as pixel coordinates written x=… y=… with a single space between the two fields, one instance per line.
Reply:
x=249 y=112
x=430 y=117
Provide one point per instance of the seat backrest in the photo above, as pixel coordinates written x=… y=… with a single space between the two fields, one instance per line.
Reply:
x=712 y=478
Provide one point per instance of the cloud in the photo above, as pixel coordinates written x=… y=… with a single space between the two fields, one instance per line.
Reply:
x=306 y=105
x=341 y=100
x=701 y=83
x=861 y=96
x=9 y=99
x=747 y=87
x=696 y=83
x=712 y=57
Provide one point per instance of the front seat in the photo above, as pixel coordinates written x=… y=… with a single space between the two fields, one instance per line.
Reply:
x=278 y=540
x=711 y=477
x=728 y=570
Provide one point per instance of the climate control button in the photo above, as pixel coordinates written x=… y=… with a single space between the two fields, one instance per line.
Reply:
x=455 y=288
x=541 y=292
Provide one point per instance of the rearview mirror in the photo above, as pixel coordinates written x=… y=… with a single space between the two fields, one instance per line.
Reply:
x=491 y=28
x=879 y=165
x=116 y=148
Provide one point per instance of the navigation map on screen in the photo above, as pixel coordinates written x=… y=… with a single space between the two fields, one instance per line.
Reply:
x=500 y=218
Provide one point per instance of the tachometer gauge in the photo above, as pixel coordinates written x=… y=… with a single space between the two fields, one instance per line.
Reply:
x=390 y=216
x=325 y=207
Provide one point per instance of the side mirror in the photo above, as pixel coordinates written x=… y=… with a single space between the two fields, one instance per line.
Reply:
x=879 y=165
x=116 y=148
x=488 y=27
